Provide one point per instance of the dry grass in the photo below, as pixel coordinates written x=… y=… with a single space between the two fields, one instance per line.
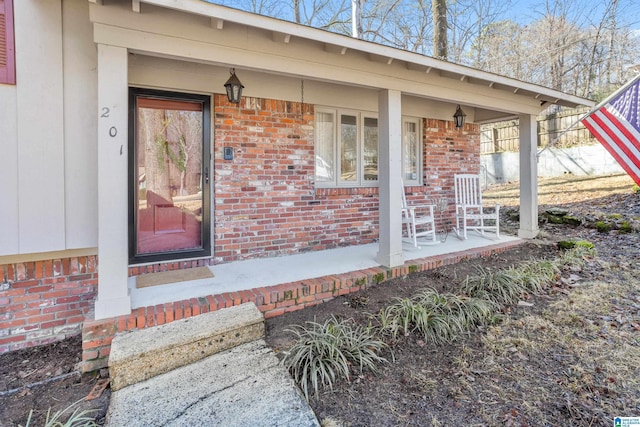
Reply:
x=592 y=344
x=562 y=190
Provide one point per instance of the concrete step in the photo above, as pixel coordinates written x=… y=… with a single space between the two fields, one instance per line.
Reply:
x=242 y=387
x=139 y=355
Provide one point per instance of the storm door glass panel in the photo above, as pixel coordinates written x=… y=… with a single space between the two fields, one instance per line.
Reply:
x=169 y=199
x=348 y=149
x=410 y=151
x=325 y=140
x=370 y=147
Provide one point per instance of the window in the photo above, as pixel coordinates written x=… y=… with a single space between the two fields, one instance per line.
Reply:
x=7 y=57
x=347 y=149
x=411 y=153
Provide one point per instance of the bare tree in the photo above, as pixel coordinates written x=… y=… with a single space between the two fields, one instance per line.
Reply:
x=580 y=47
x=440 y=42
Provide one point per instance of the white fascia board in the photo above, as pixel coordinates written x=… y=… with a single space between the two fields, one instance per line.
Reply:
x=439 y=88
x=201 y=7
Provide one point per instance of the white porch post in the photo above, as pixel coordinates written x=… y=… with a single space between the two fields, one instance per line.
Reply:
x=389 y=174
x=528 y=177
x=113 y=295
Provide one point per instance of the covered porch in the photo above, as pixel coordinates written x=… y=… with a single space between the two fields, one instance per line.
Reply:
x=189 y=46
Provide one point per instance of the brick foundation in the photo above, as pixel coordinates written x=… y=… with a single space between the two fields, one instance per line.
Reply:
x=271 y=300
x=45 y=301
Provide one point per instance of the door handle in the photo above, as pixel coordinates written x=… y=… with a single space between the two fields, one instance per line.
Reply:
x=206 y=175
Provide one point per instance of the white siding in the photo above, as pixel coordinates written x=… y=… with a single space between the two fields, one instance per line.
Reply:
x=40 y=126
x=80 y=126
x=9 y=241
x=48 y=132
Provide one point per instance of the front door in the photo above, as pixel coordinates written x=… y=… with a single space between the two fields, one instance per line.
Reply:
x=169 y=161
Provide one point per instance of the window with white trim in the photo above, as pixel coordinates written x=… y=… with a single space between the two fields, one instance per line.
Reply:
x=346 y=149
x=411 y=151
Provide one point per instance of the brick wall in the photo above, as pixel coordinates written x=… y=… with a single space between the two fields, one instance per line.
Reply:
x=45 y=301
x=265 y=200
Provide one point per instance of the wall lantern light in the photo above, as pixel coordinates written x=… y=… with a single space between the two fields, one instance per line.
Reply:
x=458 y=117
x=234 y=87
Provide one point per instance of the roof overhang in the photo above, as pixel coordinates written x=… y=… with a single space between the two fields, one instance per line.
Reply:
x=442 y=80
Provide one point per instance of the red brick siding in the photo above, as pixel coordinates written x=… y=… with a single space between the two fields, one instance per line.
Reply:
x=45 y=301
x=265 y=200
x=447 y=151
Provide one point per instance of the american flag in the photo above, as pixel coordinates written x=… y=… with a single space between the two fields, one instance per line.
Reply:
x=615 y=123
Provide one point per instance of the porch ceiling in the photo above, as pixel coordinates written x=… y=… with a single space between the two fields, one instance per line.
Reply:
x=280 y=47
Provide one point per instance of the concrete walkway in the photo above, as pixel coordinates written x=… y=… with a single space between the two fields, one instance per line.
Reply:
x=244 y=386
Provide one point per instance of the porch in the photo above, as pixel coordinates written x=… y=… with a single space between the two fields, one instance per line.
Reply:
x=276 y=285
x=261 y=276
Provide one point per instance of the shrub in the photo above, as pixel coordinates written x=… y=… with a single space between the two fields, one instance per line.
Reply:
x=603 y=227
x=438 y=317
x=325 y=352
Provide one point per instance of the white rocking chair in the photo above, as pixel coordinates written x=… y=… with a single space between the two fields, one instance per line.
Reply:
x=470 y=214
x=419 y=221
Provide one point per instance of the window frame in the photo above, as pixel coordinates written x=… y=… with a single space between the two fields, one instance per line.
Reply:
x=419 y=155
x=338 y=152
x=8 y=71
x=336 y=144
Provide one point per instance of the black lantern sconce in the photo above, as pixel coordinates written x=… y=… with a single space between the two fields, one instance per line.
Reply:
x=458 y=117
x=234 y=87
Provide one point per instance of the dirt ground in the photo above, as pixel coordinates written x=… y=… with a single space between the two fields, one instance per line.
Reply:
x=570 y=358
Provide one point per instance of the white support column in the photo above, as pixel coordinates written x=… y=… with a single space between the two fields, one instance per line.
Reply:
x=389 y=174
x=528 y=177
x=113 y=295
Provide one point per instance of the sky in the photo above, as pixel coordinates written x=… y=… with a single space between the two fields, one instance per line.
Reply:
x=524 y=11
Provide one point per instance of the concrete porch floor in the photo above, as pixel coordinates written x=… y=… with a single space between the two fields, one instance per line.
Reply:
x=263 y=272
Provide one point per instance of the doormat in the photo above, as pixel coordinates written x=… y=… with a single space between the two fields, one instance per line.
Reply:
x=165 y=277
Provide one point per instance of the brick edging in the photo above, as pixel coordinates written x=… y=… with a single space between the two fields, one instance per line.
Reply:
x=271 y=300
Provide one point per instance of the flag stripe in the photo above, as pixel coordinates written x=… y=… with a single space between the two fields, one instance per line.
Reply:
x=623 y=154
x=627 y=164
x=616 y=125
x=632 y=135
x=611 y=129
x=621 y=157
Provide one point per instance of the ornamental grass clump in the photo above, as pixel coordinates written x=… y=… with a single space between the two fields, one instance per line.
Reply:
x=326 y=352
x=78 y=418
x=438 y=317
x=502 y=287
x=535 y=275
x=508 y=286
x=578 y=255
